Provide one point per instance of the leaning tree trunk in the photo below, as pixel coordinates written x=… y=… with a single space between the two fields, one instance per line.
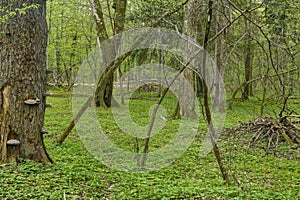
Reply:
x=104 y=91
x=208 y=113
x=23 y=82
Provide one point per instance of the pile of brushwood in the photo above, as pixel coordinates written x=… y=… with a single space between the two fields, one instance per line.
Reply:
x=148 y=87
x=270 y=131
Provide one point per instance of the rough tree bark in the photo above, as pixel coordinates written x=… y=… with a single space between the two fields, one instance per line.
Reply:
x=23 y=83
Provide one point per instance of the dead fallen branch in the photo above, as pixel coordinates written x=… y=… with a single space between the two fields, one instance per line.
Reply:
x=270 y=131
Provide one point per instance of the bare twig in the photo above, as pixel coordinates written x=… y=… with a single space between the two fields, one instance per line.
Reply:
x=256 y=79
x=265 y=36
x=233 y=21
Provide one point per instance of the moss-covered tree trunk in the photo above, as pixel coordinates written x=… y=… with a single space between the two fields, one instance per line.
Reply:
x=22 y=82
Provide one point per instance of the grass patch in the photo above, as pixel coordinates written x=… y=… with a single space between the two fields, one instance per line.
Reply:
x=76 y=174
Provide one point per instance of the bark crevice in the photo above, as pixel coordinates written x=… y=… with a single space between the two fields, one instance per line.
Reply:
x=4 y=121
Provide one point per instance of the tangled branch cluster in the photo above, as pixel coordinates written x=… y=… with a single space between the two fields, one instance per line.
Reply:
x=271 y=131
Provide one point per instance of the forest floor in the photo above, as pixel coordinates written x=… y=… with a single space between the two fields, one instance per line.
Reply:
x=255 y=172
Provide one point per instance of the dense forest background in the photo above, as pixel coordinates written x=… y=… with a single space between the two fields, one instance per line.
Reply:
x=255 y=44
x=255 y=47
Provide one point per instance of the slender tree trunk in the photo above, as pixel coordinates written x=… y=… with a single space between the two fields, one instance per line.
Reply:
x=219 y=55
x=58 y=80
x=161 y=66
x=248 y=62
x=74 y=121
x=208 y=115
x=23 y=83
x=187 y=99
x=121 y=82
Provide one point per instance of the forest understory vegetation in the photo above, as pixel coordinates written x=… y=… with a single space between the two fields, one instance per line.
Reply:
x=256 y=170
x=64 y=64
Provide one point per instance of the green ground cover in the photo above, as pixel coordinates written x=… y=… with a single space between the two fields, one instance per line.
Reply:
x=76 y=174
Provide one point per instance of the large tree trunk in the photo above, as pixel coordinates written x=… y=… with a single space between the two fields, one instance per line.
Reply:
x=23 y=83
x=187 y=98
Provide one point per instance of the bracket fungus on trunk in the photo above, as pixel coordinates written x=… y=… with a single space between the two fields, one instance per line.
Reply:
x=32 y=101
x=13 y=150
